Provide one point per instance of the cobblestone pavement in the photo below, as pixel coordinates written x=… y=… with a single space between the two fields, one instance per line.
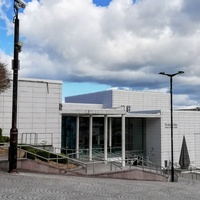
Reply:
x=56 y=187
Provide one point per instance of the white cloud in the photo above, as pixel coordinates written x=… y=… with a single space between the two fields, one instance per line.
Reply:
x=185 y=101
x=6 y=59
x=124 y=45
x=4 y=6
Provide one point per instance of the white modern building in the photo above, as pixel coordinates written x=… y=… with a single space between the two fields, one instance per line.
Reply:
x=38 y=119
x=112 y=121
x=130 y=121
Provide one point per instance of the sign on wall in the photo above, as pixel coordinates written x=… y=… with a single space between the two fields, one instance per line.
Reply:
x=168 y=125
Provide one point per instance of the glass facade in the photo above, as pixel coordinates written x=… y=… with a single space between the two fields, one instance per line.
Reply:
x=135 y=133
x=98 y=133
x=84 y=133
x=68 y=132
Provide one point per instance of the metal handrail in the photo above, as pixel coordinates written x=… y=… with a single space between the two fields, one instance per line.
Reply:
x=116 y=164
x=142 y=163
x=4 y=144
x=148 y=166
x=72 y=160
x=60 y=156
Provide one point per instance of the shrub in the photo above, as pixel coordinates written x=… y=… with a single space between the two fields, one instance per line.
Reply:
x=30 y=153
x=60 y=158
x=63 y=160
x=6 y=139
x=52 y=155
x=31 y=150
x=43 y=154
x=3 y=138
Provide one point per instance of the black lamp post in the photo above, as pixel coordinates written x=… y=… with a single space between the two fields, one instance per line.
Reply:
x=171 y=93
x=15 y=67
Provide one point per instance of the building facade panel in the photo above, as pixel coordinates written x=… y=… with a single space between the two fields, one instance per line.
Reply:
x=35 y=105
x=104 y=98
x=184 y=125
x=153 y=139
x=138 y=100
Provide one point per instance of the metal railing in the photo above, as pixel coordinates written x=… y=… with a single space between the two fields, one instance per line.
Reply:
x=92 y=167
x=143 y=165
x=89 y=167
x=190 y=175
x=149 y=166
x=193 y=173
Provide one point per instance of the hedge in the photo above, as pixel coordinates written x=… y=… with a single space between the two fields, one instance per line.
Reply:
x=3 y=139
x=46 y=155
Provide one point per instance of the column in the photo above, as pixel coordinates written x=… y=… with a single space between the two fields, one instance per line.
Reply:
x=90 y=138
x=123 y=140
x=77 y=137
x=110 y=134
x=105 y=137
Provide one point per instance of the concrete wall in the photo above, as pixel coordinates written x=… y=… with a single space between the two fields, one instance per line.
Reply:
x=139 y=100
x=116 y=98
x=186 y=123
x=38 y=110
x=32 y=166
x=153 y=140
x=134 y=175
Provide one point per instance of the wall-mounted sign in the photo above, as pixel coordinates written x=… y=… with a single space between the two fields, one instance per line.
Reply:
x=168 y=125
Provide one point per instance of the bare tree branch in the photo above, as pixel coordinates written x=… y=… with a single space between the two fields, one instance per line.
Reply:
x=4 y=77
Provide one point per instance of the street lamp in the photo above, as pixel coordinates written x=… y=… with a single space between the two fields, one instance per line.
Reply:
x=172 y=151
x=15 y=67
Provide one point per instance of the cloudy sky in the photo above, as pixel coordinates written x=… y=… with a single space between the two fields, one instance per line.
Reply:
x=101 y=44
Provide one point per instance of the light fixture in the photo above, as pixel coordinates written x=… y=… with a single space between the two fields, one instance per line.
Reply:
x=171 y=102
x=20 y=4
x=15 y=67
x=19 y=45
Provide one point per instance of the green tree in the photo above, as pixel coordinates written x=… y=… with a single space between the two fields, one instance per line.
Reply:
x=4 y=77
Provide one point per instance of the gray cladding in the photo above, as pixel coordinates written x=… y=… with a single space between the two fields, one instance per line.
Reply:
x=104 y=97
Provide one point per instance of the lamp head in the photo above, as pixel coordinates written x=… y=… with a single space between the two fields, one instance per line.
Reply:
x=20 y=4
x=19 y=46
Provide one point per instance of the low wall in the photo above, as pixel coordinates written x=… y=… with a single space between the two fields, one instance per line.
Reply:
x=133 y=174
x=33 y=166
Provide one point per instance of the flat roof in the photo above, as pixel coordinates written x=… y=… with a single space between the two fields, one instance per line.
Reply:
x=110 y=112
x=93 y=112
x=40 y=80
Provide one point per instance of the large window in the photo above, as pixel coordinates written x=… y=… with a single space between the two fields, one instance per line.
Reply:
x=135 y=134
x=84 y=133
x=68 y=132
x=98 y=133
x=116 y=134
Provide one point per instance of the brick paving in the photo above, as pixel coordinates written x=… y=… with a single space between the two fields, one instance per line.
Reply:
x=32 y=186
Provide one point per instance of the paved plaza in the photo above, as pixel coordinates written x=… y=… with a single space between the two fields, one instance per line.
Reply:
x=32 y=186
